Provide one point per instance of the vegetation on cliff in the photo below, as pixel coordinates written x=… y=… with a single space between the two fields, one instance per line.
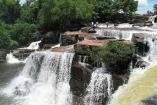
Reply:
x=37 y=17
x=117 y=55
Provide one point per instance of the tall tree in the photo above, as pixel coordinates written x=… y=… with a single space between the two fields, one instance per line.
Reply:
x=9 y=10
x=62 y=13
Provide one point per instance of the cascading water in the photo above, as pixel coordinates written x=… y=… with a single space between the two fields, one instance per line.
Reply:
x=99 y=89
x=43 y=81
x=119 y=34
x=13 y=60
x=34 y=45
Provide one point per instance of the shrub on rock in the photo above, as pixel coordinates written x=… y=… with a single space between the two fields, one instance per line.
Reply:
x=118 y=56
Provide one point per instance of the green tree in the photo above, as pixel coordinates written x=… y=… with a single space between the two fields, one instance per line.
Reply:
x=9 y=10
x=118 y=55
x=24 y=33
x=29 y=12
x=5 y=40
x=108 y=10
x=60 y=14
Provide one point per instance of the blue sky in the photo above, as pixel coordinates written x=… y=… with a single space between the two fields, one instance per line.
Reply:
x=144 y=5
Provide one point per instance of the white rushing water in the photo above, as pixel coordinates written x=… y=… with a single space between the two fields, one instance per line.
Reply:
x=11 y=59
x=43 y=81
x=34 y=45
x=153 y=20
x=99 y=90
x=125 y=34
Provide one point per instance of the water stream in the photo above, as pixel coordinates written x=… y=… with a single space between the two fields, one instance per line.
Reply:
x=43 y=81
x=99 y=90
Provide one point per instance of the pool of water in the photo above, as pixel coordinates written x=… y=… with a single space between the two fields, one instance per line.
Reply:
x=8 y=72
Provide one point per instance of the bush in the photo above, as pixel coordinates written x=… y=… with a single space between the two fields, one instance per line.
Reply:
x=24 y=33
x=5 y=41
x=118 y=56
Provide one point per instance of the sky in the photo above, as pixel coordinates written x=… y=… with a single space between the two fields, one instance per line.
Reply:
x=143 y=7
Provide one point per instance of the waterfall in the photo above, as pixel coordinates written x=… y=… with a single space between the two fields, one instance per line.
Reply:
x=115 y=33
x=34 y=45
x=99 y=89
x=142 y=82
x=13 y=60
x=153 y=20
x=43 y=81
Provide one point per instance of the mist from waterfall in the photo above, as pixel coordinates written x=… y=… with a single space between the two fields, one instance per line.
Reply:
x=11 y=59
x=99 y=90
x=43 y=81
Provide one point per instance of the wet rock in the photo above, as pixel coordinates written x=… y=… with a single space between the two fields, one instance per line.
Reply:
x=141 y=43
x=119 y=80
x=138 y=62
x=80 y=78
x=148 y=23
x=88 y=29
x=139 y=37
x=78 y=100
x=138 y=24
x=22 y=53
x=150 y=101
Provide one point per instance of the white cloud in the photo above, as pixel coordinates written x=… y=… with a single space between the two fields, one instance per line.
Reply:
x=142 y=3
x=22 y=1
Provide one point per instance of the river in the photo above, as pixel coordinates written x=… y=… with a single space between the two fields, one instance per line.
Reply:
x=7 y=73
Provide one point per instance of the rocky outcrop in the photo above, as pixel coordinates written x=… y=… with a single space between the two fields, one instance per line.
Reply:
x=22 y=53
x=138 y=62
x=88 y=29
x=119 y=80
x=69 y=37
x=80 y=78
x=139 y=40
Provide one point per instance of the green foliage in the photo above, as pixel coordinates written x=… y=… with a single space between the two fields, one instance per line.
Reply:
x=52 y=36
x=23 y=33
x=5 y=41
x=22 y=22
x=60 y=14
x=106 y=10
x=29 y=12
x=9 y=10
x=118 y=55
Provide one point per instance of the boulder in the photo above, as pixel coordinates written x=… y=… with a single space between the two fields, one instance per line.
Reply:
x=139 y=37
x=22 y=53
